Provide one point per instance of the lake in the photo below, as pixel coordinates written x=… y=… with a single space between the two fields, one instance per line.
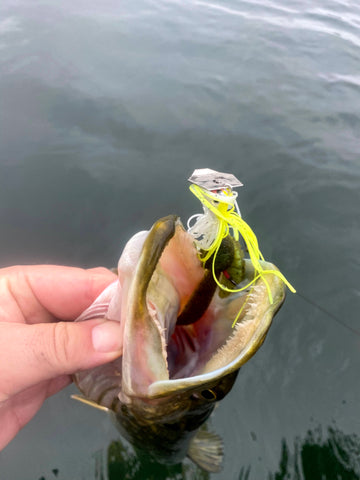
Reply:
x=106 y=108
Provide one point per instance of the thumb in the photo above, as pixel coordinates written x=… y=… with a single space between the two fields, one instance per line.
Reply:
x=30 y=354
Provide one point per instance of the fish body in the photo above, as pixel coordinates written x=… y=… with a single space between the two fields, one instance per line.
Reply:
x=165 y=384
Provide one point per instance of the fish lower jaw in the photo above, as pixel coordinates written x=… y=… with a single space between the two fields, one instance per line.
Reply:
x=243 y=342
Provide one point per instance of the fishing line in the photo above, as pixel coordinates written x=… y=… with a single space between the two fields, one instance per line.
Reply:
x=326 y=312
x=311 y=302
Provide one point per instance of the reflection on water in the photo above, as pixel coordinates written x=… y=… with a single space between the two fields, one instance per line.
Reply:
x=245 y=473
x=334 y=456
x=317 y=458
x=123 y=462
x=330 y=456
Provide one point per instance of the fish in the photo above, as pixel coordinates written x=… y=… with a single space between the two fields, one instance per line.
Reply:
x=180 y=352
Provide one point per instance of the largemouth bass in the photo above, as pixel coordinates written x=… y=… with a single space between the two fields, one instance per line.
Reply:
x=180 y=352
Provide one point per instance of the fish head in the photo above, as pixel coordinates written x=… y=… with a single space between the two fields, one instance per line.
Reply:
x=158 y=272
x=166 y=366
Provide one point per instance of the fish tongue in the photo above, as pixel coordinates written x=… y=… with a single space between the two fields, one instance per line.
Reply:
x=147 y=314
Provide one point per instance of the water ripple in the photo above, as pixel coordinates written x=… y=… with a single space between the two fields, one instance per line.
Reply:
x=316 y=20
x=9 y=25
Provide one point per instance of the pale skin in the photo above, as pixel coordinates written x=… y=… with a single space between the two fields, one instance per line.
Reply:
x=40 y=345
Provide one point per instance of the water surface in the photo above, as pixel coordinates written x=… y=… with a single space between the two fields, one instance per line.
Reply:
x=105 y=110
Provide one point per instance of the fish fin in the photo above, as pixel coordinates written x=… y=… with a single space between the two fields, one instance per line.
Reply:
x=91 y=403
x=99 y=308
x=96 y=310
x=206 y=450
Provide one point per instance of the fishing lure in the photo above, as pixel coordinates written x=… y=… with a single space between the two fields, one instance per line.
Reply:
x=221 y=219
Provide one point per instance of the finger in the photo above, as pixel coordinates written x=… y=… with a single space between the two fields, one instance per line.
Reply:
x=43 y=292
x=30 y=354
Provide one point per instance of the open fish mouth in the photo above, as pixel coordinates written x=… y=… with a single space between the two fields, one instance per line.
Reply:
x=158 y=273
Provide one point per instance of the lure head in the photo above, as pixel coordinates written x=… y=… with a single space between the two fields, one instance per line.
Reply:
x=212 y=180
x=215 y=191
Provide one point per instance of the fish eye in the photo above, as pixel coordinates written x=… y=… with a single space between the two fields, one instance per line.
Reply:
x=208 y=394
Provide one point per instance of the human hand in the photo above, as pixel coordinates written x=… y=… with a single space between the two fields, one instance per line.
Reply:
x=39 y=345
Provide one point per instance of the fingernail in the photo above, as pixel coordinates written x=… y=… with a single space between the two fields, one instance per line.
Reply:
x=107 y=337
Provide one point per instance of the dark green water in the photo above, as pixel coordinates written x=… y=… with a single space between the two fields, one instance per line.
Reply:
x=105 y=110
